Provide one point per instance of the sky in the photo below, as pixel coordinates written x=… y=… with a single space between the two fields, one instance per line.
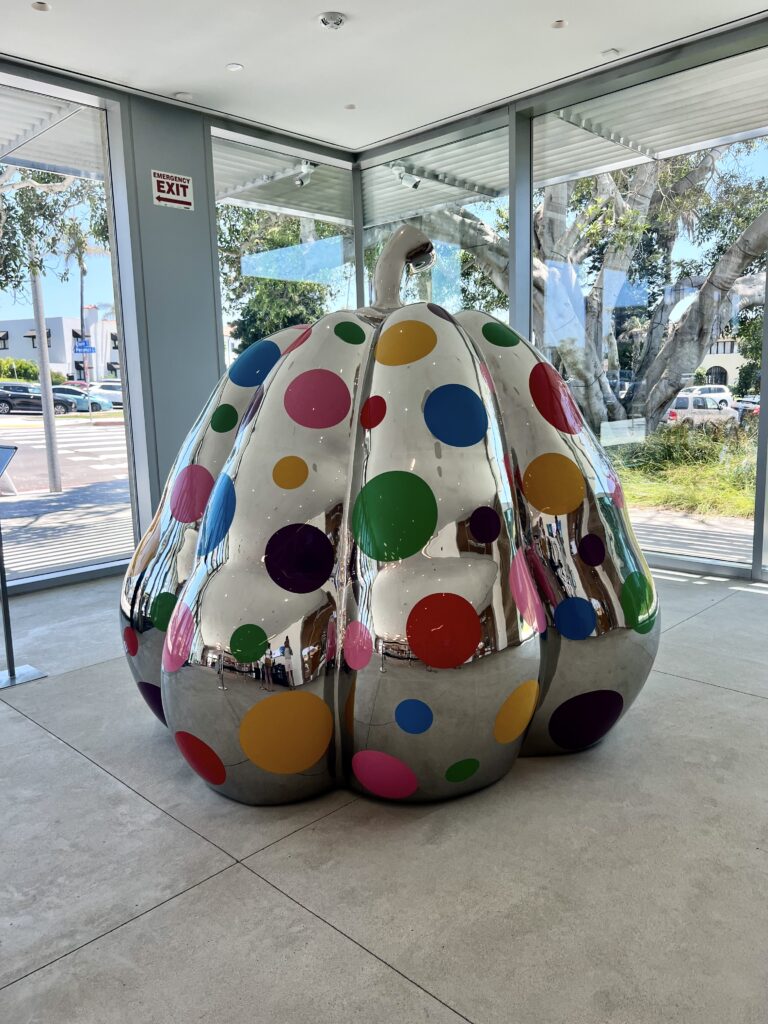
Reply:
x=62 y=298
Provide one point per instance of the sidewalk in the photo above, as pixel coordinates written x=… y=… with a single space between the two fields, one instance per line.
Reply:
x=724 y=538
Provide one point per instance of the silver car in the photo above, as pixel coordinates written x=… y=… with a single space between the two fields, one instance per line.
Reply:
x=695 y=410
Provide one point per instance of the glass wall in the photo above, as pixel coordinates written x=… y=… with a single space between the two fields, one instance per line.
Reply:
x=285 y=240
x=64 y=501
x=650 y=228
x=458 y=194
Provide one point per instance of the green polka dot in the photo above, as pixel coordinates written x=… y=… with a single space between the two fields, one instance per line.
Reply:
x=161 y=608
x=500 y=334
x=637 y=601
x=462 y=770
x=224 y=419
x=395 y=514
x=248 y=642
x=353 y=334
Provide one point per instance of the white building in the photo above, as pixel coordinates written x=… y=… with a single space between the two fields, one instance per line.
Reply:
x=18 y=340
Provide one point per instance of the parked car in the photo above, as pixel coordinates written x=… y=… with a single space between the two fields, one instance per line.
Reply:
x=84 y=399
x=111 y=389
x=747 y=406
x=695 y=410
x=28 y=398
x=722 y=394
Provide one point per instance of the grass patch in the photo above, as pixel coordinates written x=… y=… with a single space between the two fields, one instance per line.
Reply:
x=697 y=489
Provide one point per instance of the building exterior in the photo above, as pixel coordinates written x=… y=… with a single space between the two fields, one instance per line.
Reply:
x=721 y=364
x=18 y=340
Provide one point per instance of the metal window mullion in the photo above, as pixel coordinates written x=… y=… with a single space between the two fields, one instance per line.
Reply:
x=358 y=228
x=760 y=535
x=520 y=222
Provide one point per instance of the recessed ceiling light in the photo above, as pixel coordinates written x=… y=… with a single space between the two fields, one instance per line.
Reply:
x=234 y=66
x=332 y=19
x=41 y=7
x=350 y=106
x=185 y=97
x=560 y=23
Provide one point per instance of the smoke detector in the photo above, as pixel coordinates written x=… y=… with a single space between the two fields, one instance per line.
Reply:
x=332 y=19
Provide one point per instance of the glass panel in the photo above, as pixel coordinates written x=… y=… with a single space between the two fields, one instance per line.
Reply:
x=458 y=194
x=286 y=246
x=650 y=233
x=64 y=502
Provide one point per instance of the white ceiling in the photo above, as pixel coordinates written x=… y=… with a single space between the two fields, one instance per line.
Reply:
x=404 y=64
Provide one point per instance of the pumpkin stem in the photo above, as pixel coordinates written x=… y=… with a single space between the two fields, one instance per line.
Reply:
x=408 y=246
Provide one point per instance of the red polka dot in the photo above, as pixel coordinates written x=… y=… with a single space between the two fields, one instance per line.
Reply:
x=615 y=491
x=191 y=490
x=198 y=755
x=298 y=341
x=373 y=412
x=553 y=399
x=317 y=399
x=130 y=641
x=384 y=775
x=443 y=630
x=178 y=639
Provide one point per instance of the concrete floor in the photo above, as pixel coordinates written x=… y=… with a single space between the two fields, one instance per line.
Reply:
x=625 y=885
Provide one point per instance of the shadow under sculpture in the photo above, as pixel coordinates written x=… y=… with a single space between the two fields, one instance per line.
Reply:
x=390 y=555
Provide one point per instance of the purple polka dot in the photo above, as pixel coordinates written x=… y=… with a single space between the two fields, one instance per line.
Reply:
x=191 y=490
x=591 y=549
x=151 y=694
x=484 y=524
x=583 y=720
x=439 y=311
x=317 y=399
x=299 y=558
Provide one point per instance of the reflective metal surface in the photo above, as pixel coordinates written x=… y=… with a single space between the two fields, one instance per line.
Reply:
x=414 y=562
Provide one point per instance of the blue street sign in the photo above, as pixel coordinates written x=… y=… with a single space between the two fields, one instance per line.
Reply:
x=85 y=349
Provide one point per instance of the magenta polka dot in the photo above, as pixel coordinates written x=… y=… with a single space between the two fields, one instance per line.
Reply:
x=525 y=594
x=190 y=493
x=358 y=645
x=298 y=342
x=317 y=399
x=178 y=639
x=384 y=775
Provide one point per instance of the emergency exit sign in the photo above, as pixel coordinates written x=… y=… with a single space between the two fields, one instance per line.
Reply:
x=174 y=190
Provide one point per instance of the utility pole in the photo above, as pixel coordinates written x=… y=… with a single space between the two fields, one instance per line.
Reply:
x=46 y=392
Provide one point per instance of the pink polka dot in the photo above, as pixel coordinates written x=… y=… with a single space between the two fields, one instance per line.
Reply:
x=178 y=639
x=298 y=342
x=485 y=373
x=330 y=652
x=191 y=490
x=615 y=491
x=358 y=646
x=130 y=641
x=317 y=398
x=525 y=594
x=384 y=775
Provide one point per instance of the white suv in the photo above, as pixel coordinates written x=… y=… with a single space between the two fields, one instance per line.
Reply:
x=721 y=394
x=695 y=410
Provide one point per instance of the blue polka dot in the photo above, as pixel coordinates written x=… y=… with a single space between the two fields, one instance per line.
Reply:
x=218 y=515
x=413 y=716
x=253 y=366
x=456 y=415
x=575 y=618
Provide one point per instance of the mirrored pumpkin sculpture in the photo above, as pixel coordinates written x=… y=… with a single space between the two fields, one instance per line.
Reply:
x=390 y=555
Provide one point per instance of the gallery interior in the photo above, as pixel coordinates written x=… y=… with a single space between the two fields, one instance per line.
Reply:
x=383 y=476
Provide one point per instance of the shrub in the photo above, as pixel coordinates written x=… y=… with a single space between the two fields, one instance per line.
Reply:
x=19 y=369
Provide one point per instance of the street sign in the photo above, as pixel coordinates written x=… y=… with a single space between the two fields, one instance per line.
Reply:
x=85 y=349
x=174 y=190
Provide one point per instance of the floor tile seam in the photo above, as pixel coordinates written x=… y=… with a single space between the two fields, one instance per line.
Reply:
x=55 y=675
x=708 y=682
x=117 y=927
x=699 y=612
x=360 y=945
x=125 y=785
x=300 y=828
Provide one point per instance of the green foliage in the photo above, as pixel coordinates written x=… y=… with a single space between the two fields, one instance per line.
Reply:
x=273 y=305
x=19 y=369
x=750 y=337
x=700 y=375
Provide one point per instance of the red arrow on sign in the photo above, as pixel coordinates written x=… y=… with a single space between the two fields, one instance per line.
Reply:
x=178 y=202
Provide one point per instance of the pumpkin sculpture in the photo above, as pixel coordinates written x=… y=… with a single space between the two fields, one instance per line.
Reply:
x=390 y=554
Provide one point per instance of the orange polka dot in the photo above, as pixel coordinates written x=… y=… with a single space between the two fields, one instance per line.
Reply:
x=516 y=712
x=290 y=472
x=287 y=733
x=554 y=484
x=405 y=342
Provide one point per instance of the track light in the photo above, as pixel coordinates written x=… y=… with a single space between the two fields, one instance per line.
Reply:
x=405 y=177
x=304 y=176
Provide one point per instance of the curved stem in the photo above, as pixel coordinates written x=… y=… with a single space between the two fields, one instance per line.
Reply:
x=408 y=246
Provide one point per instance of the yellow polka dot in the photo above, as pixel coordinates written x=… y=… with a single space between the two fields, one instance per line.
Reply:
x=405 y=342
x=554 y=484
x=516 y=712
x=287 y=733
x=290 y=472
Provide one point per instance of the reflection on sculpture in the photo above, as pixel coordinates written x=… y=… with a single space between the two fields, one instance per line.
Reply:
x=391 y=555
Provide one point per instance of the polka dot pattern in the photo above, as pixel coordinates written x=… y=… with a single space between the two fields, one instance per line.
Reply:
x=456 y=415
x=161 y=610
x=153 y=699
x=516 y=712
x=218 y=515
x=248 y=643
x=554 y=401
x=460 y=771
x=358 y=646
x=637 y=602
x=178 y=639
x=373 y=412
x=553 y=484
x=405 y=342
x=253 y=366
x=414 y=716
x=317 y=399
x=130 y=642
x=591 y=549
x=583 y=720
x=394 y=516
x=443 y=630
x=191 y=490
x=287 y=733
x=304 y=336
x=202 y=758
x=384 y=775
x=299 y=558
x=525 y=594
x=290 y=472
x=224 y=419
x=350 y=332
x=439 y=311
x=485 y=524
x=575 y=618
x=500 y=334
